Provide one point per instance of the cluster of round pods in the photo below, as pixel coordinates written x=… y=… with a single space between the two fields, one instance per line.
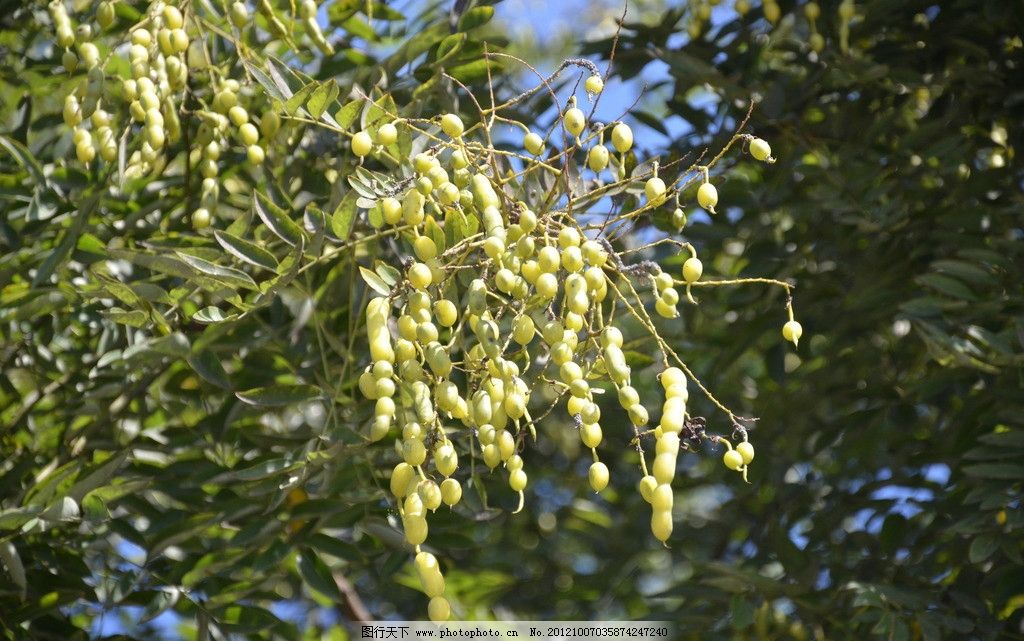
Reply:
x=156 y=51
x=161 y=54
x=484 y=332
x=701 y=10
x=481 y=331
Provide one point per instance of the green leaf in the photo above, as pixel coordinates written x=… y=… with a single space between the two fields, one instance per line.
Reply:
x=163 y=599
x=226 y=274
x=15 y=517
x=947 y=285
x=212 y=314
x=741 y=612
x=317 y=575
x=390 y=274
x=348 y=114
x=363 y=185
x=360 y=28
x=241 y=224
x=313 y=221
x=15 y=569
x=94 y=509
x=375 y=282
x=381 y=110
x=258 y=471
x=278 y=395
x=427 y=86
x=41 y=303
x=131 y=318
x=246 y=618
x=436 y=234
x=374 y=214
x=450 y=46
x=40 y=209
x=475 y=17
x=1007 y=471
x=276 y=219
x=982 y=547
x=965 y=271
x=97 y=477
x=208 y=366
x=164 y=264
x=458 y=225
x=175 y=345
x=25 y=158
x=344 y=215
x=246 y=251
x=650 y=120
x=266 y=82
x=63 y=510
x=381 y=11
x=637 y=359
x=68 y=242
x=294 y=104
x=1004 y=439
x=335 y=547
x=322 y=97
x=475 y=71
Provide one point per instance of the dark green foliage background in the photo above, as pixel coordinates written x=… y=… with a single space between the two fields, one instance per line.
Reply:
x=888 y=444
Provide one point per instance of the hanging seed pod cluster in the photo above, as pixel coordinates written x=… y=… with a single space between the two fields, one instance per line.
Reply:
x=512 y=292
x=508 y=308
x=142 y=114
x=808 y=25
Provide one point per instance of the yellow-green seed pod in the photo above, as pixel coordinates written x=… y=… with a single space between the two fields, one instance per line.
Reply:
x=105 y=14
x=172 y=17
x=446 y=312
x=412 y=207
x=622 y=137
x=523 y=330
x=693 y=269
x=598 y=476
x=451 y=491
x=533 y=143
x=483 y=193
x=430 y=494
x=439 y=609
x=547 y=286
x=637 y=414
x=517 y=480
x=429 y=572
x=452 y=125
x=416 y=530
x=707 y=197
x=792 y=331
x=491 y=455
x=591 y=434
x=662 y=498
x=401 y=475
x=661 y=524
x=664 y=468
x=574 y=120
x=362 y=143
x=733 y=460
x=647 y=486
x=506 y=444
x=437 y=359
x=270 y=124
x=446 y=460
x=597 y=158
